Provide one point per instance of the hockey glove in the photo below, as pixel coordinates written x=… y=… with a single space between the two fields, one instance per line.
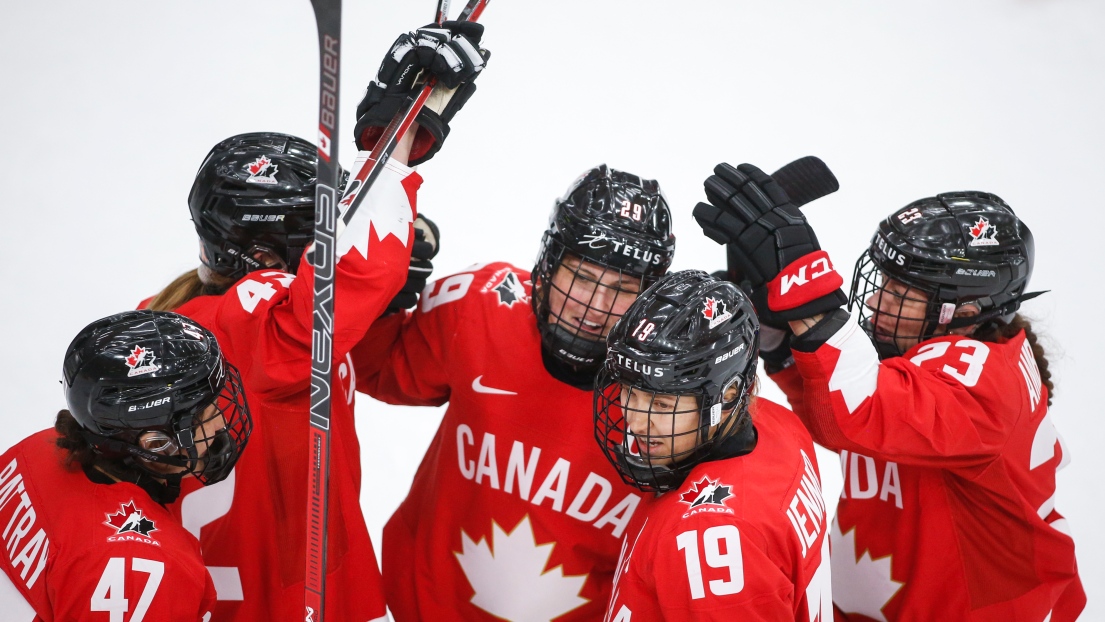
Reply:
x=450 y=52
x=774 y=337
x=769 y=242
x=426 y=236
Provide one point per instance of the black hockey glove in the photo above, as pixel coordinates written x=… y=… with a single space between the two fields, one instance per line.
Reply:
x=774 y=336
x=426 y=237
x=770 y=243
x=450 y=52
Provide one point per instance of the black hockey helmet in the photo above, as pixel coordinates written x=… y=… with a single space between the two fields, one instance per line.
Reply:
x=690 y=334
x=255 y=192
x=140 y=383
x=958 y=248
x=621 y=224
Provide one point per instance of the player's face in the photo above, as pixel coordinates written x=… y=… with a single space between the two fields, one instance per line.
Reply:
x=212 y=422
x=898 y=313
x=664 y=428
x=587 y=299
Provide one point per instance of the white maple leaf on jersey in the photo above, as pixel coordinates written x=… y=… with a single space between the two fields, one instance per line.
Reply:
x=387 y=209
x=510 y=578
x=860 y=584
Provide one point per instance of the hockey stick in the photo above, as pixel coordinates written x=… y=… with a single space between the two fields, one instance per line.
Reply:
x=328 y=19
x=368 y=167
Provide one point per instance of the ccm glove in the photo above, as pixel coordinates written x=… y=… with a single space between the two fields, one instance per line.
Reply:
x=449 y=52
x=769 y=243
x=426 y=236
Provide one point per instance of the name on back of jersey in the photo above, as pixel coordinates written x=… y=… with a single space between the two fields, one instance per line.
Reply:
x=28 y=555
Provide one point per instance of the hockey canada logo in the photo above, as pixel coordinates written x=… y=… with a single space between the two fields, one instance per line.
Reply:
x=141 y=361
x=715 y=311
x=262 y=171
x=507 y=286
x=707 y=495
x=130 y=525
x=983 y=233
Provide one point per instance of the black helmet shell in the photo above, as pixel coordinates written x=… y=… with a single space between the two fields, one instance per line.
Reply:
x=254 y=191
x=689 y=334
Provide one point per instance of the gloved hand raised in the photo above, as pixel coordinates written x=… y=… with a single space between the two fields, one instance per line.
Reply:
x=426 y=246
x=769 y=242
x=450 y=52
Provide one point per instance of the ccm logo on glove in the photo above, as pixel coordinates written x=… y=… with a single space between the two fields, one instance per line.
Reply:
x=808 y=278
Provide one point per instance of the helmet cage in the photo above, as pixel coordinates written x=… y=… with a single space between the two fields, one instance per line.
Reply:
x=995 y=287
x=688 y=335
x=665 y=471
x=616 y=224
x=595 y=288
x=178 y=442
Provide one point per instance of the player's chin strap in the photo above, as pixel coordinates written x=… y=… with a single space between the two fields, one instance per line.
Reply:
x=948 y=308
x=164 y=488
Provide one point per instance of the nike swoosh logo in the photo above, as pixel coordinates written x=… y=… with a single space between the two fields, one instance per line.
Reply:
x=480 y=388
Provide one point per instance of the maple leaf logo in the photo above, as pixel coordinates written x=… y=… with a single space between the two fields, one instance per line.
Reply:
x=510 y=290
x=983 y=233
x=711 y=309
x=510 y=579
x=261 y=171
x=860 y=584
x=706 y=492
x=130 y=519
x=259 y=165
x=136 y=356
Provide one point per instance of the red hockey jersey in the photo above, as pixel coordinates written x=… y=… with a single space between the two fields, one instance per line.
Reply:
x=514 y=513
x=949 y=460
x=743 y=539
x=95 y=552
x=252 y=527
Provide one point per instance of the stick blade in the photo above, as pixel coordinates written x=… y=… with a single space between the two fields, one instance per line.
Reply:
x=806 y=179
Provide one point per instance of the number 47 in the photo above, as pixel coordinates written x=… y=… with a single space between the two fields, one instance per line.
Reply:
x=110 y=592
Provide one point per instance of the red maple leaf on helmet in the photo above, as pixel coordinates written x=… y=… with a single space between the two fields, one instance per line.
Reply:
x=980 y=227
x=711 y=309
x=136 y=357
x=256 y=167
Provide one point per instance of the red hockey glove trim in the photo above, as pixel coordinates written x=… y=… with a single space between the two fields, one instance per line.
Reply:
x=808 y=278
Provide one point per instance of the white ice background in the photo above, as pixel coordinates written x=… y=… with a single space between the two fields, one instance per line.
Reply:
x=107 y=109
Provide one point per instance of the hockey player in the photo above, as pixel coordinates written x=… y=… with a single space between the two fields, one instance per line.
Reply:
x=937 y=401
x=151 y=401
x=513 y=515
x=739 y=528
x=253 y=206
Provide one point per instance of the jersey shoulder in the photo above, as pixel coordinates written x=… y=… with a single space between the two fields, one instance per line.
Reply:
x=986 y=368
x=480 y=289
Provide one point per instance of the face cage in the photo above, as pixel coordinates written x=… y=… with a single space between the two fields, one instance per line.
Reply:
x=663 y=471
x=584 y=299
x=869 y=281
x=224 y=446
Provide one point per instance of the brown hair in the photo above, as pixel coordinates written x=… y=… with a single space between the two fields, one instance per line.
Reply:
x=78 y=453
x=1000 y=332
x=186 y=287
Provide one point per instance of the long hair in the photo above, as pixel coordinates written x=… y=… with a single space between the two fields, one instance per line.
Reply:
x=1000 y=332
x=186 y=287
x=78 y=453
